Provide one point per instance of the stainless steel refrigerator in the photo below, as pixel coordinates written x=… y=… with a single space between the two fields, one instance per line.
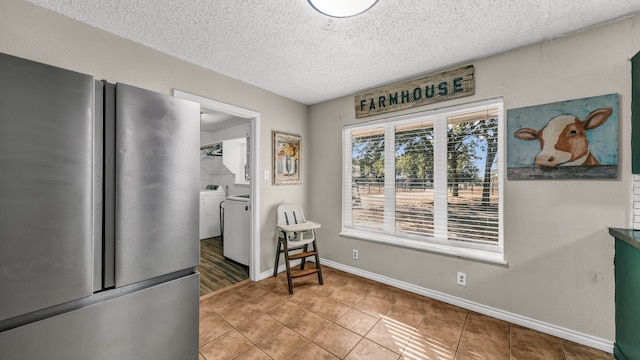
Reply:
x=98 y=218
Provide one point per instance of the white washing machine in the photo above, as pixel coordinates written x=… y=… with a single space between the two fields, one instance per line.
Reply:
x=210 y=199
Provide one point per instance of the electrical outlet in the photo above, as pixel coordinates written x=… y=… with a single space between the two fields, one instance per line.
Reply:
x=461 y=279
x=355 y=254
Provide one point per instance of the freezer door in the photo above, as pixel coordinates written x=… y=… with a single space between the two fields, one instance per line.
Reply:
x=46 y=186
x=157 y=323
x=157 y=186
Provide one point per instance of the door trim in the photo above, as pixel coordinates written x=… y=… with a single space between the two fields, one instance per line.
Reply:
x=254 y=245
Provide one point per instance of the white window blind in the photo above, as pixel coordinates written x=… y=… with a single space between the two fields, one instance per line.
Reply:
x=367 y=178
x=414 y=155
x=429 y=180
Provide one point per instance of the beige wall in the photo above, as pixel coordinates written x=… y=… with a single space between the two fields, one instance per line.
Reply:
x=34 y=33
x=559 y=253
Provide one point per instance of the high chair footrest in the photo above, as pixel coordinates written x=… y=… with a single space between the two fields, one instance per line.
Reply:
x=301 y=255
x=305 y=272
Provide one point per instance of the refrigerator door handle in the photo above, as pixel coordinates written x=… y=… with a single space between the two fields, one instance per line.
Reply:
x=109 y=240
x=98 y=187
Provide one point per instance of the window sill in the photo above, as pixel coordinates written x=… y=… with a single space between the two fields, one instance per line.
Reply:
x=494 y=257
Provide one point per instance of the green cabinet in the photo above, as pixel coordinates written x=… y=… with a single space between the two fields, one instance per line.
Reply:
x=627 y=293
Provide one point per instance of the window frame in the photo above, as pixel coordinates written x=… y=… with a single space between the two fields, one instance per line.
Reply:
x=492 y=253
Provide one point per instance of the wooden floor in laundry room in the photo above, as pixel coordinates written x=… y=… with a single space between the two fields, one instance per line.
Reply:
x=216 y=272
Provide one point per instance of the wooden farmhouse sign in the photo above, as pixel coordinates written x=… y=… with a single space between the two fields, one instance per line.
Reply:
x=427 y=90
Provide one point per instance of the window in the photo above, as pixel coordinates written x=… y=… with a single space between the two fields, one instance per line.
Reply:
x=430 y=181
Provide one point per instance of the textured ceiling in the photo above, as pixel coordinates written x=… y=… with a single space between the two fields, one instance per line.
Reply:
x=282 y=45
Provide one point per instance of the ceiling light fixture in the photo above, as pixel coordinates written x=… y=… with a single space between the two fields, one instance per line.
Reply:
x=342 y=8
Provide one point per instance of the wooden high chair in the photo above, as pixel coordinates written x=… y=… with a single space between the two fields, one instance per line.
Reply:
x=295 y=233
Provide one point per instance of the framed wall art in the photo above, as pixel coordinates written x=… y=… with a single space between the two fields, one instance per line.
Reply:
x=286 y=159
x=573 y=139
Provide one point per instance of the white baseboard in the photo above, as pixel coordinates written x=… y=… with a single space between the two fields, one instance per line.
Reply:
x=558 y=331
x=563 y=333
x=281 y=268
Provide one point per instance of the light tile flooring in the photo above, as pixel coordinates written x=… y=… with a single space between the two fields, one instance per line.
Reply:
x=354 y=318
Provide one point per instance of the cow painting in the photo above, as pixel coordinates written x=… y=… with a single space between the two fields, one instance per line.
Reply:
x=564 y=140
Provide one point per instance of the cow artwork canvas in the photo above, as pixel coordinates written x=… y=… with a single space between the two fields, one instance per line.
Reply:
x=573 y=139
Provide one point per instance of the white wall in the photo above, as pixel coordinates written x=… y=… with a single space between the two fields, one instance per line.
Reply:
x=233 y=132
x=214 y=169
x=34 y=33
x=559 y=253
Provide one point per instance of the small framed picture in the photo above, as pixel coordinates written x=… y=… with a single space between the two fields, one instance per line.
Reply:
x=286 y=159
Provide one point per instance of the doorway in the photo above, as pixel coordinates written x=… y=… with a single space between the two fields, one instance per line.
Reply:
x=234 y=129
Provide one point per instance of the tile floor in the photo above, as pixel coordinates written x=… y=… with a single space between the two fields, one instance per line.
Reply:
x=354 y=318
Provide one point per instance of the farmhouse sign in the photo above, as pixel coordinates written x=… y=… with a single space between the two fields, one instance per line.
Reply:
x=427 y=90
